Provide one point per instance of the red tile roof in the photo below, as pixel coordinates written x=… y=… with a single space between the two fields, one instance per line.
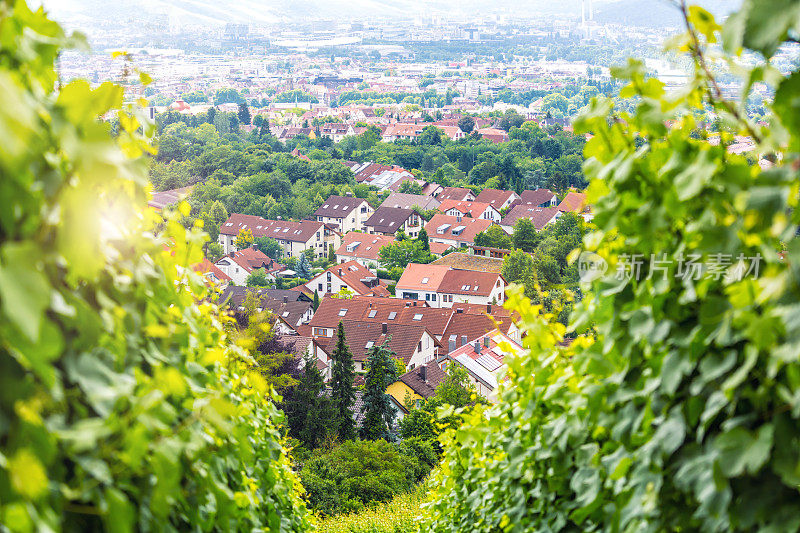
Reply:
x=207 y=267
x=573 y=201
x=467 y=207
x=418 y=277
x=442 y=226
x=495 y=197
x=469 y=282
x=356 y=277
x=363 y=245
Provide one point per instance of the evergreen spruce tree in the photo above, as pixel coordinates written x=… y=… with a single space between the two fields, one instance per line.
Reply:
x=424 y=239
x=304 y=267
x=316 y=299
x=378 y=411
x=309 y=412
x=331 y=254
x=343 y=393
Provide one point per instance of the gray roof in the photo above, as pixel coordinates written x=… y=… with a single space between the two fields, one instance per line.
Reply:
x=408 y=201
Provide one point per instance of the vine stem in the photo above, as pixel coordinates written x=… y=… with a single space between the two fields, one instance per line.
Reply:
x=714 y=90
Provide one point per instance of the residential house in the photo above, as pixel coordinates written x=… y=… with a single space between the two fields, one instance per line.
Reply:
x=336 y=132
x=417 y=384
x=456 y=231
x=442 y=285
x=485 y=360
x=346 y=213
x=497 y=198
x=459 y=194
x=390 y=220
x=410 y=201
x=294 y=237
x=211 y=272
x=350 y=276
x=412 y=344
x=538 y=198
x=456 y=325
x=539 y=216
x=290 y=309
x=241 y=263
x=574 y=202
x=472 y=209
x=471 y=286
x=493 y=134
x=363 y=248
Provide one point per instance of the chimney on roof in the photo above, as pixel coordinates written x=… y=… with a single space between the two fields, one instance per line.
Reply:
x=285 y=299
x=348 y=193
x=408 y=304
x=423 y=373
x=488 y=308
x=384 y=328
x=463 y=340
x=477 y=346
x=452 y=345
x=340 y=271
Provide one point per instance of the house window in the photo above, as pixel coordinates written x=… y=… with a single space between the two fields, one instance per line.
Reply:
x=319 y=287
x=342 y=312
x=392 y=315
x=373 y=313
x=419 y=348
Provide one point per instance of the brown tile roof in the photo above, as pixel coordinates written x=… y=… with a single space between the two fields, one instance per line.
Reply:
x=338 y=206
x=466 y=327
x=455 y=193
x=536 y=197
x=469 y=282
x=328 y=313
x=425 y=387
x=388 y=219
x=470 y=262
x=540 y=216
x=363 y=245
x=290 y=311
x=361 y=336
x=495 y=197
x=573 y=201
x=471 y=227
x=285 y=230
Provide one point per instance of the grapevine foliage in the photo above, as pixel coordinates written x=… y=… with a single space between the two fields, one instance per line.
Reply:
x=678 y=406
x=124 y=404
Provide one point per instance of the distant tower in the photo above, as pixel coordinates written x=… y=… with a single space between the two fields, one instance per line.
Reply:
x=583 y=13
x=587 y=11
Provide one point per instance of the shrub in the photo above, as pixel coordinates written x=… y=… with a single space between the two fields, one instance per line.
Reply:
x=125 y=405
x=677 y=409
x=357 y=473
